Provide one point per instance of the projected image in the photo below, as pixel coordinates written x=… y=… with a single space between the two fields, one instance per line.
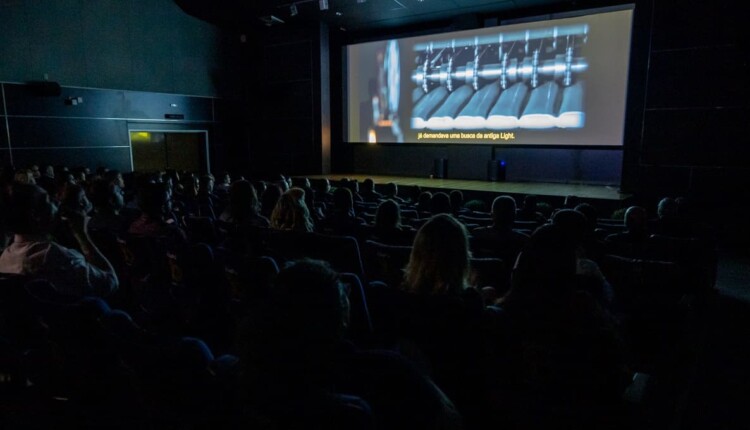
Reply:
x=381 y=111
x=560 y=82
x=529 y=79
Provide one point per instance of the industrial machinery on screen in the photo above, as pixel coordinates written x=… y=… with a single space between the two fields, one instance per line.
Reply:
x=529 y=79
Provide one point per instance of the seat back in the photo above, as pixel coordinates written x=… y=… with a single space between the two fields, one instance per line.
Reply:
x=385 y=262
x=201 y=229
x=490 y=272
x=342 y=252
x=360 y=325
x=640 y=284
x=695 y=255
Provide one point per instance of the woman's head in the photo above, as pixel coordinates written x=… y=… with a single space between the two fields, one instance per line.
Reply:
x=439 y=260
x=24 y=176
x=291 y=213
x=243 y=201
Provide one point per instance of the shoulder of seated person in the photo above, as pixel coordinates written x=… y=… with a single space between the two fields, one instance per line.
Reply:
x=54 y=248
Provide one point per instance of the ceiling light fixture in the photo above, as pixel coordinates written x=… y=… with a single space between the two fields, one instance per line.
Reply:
x=323 y=4
x=293 y=9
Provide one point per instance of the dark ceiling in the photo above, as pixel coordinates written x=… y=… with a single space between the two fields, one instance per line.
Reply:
x=363 y=14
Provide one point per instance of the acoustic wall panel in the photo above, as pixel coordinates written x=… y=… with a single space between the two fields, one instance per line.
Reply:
x=99 y=103
x=113 y=158
x=40 y=132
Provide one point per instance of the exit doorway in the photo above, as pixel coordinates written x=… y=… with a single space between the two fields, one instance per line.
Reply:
x=154 y=151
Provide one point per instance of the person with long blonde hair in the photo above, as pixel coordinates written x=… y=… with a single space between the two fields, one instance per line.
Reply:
x=291 y=212
x=439 y=260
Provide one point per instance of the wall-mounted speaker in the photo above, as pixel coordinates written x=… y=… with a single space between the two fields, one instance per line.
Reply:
x=440 y=168
x=496 y=170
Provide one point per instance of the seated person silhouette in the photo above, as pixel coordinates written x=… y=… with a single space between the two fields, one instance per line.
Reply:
x=500 y=239
x=632 y=242
x=368 y=192
x=73 y=272
x=291 y=212
x=297 y=363
x=566 y=361
x=341 y=218
x=388 y=228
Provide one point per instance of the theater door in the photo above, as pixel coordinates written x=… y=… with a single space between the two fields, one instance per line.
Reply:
x=154 y=150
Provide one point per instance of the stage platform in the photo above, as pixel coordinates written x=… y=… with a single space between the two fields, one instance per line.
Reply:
x=596 y=192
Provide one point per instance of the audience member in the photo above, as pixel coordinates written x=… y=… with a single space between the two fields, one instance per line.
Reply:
x=573 y=225
x=35 y=172
x=368 y=192
x=316 y=212
x=185 y=197
x=269 y=198
x=24 y=176
x=566 y=365
x=391 y=192
x=291 y=213
x=300 y=182
x=209 y=204
x=442 y=323
x=222 y=188
x=296 y=362
x=115 y=177
x=244 y=208
x=79 y=175
x=571 y=201
x=47 y=179
x=423 y=203
x=388 y=228
x=592 y=242
x=457 y=202
x=155 y=220
x=30 y=218
x=632 y=242
x=669 y=222
x=440 y=204
x=107 y=199
x=439 y=261
x=353 y=186
x=500 y=239
x=529 y=212
x=341 y=218
x=74 y=200
x=323 y=191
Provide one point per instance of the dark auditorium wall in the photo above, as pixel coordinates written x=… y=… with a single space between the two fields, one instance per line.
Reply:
x=48 y=130
x=693 y=139
x=287 y=116
x=131 y=61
